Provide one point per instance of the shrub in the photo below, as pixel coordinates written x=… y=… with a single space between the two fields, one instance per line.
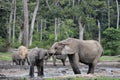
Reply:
x=111 y=41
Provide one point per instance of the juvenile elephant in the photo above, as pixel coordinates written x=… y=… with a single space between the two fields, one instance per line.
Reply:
x=16 y=58
x=85 y=51
x=23 y=53
x=36 y=57
x=61 y=57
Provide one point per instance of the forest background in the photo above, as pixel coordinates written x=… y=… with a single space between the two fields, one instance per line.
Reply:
x=42 y=22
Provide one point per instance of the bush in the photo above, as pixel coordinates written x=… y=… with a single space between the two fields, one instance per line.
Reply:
x=3 y=44
x=111 y=41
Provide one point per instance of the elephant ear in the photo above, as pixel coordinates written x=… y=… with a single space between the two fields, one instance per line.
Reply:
x=67 y=49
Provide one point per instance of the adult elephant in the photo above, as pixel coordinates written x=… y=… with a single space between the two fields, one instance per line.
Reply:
x=85 y=51
x=36 y=57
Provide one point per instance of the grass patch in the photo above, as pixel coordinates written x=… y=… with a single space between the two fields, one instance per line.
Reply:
x=109 y=58
x=6 y=56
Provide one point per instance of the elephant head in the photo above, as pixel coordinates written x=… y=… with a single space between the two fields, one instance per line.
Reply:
x=53 y=49
x=63 y=47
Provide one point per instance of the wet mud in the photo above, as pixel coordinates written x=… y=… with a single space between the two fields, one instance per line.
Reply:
x=104 y=68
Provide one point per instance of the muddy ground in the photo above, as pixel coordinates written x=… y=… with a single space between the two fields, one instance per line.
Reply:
x=103 y=68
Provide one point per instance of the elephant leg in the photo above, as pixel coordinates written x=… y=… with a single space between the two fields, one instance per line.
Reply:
x=54 y=60
x=20 y=62
x=91 y=69
x=92 y=66
x=40 y=69
x=63 y=61
x=28 y=61
x=31 y=72
x=23 y=62
x=17 y=62
x=73 y=63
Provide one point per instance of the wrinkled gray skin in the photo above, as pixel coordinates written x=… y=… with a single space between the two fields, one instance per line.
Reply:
x=36 y=57
x=17 y=59
x=85 y=51
x=61 y=57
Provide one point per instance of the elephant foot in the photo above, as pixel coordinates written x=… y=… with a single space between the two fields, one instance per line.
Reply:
x=90 y=72
x=54 y=65
x=40 y=75
x=76 y=71
x=31 y=76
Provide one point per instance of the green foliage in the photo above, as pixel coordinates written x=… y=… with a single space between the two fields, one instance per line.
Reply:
x=111 y=41
x=3 y=44
x=69 y=13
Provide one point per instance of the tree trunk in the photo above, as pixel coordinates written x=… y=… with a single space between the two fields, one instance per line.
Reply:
x=10 y=22
x=48 y=5
x=14 y=20
x=108 y=13
x=37 y=26
x=33 y=21
x=99 y=31
x=20 y=36
x=81 y=29
x=41 y=26
x=73 y=3
x=118 y=14
x=56 y=36
x=57 y=24
x=26 y=23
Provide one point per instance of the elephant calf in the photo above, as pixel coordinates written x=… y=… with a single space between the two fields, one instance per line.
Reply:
x=61 y=57
x=36 y=57
x=16 y=58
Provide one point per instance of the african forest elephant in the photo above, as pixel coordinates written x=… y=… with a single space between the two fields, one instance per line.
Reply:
x=36 y=57
x=23 y=53
x=16 y=58
x=85 y=51
x=61 y=57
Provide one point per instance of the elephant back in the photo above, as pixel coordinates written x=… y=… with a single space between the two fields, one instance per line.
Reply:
x=23 y=52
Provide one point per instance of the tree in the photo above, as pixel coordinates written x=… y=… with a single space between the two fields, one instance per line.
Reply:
x=99 y=31
x=108 y=13
x=10 y=22
x=14 y=21
x=33 y=21
x=118 y=14
x=111 y=41
x=81 y=29
x=26 y=23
